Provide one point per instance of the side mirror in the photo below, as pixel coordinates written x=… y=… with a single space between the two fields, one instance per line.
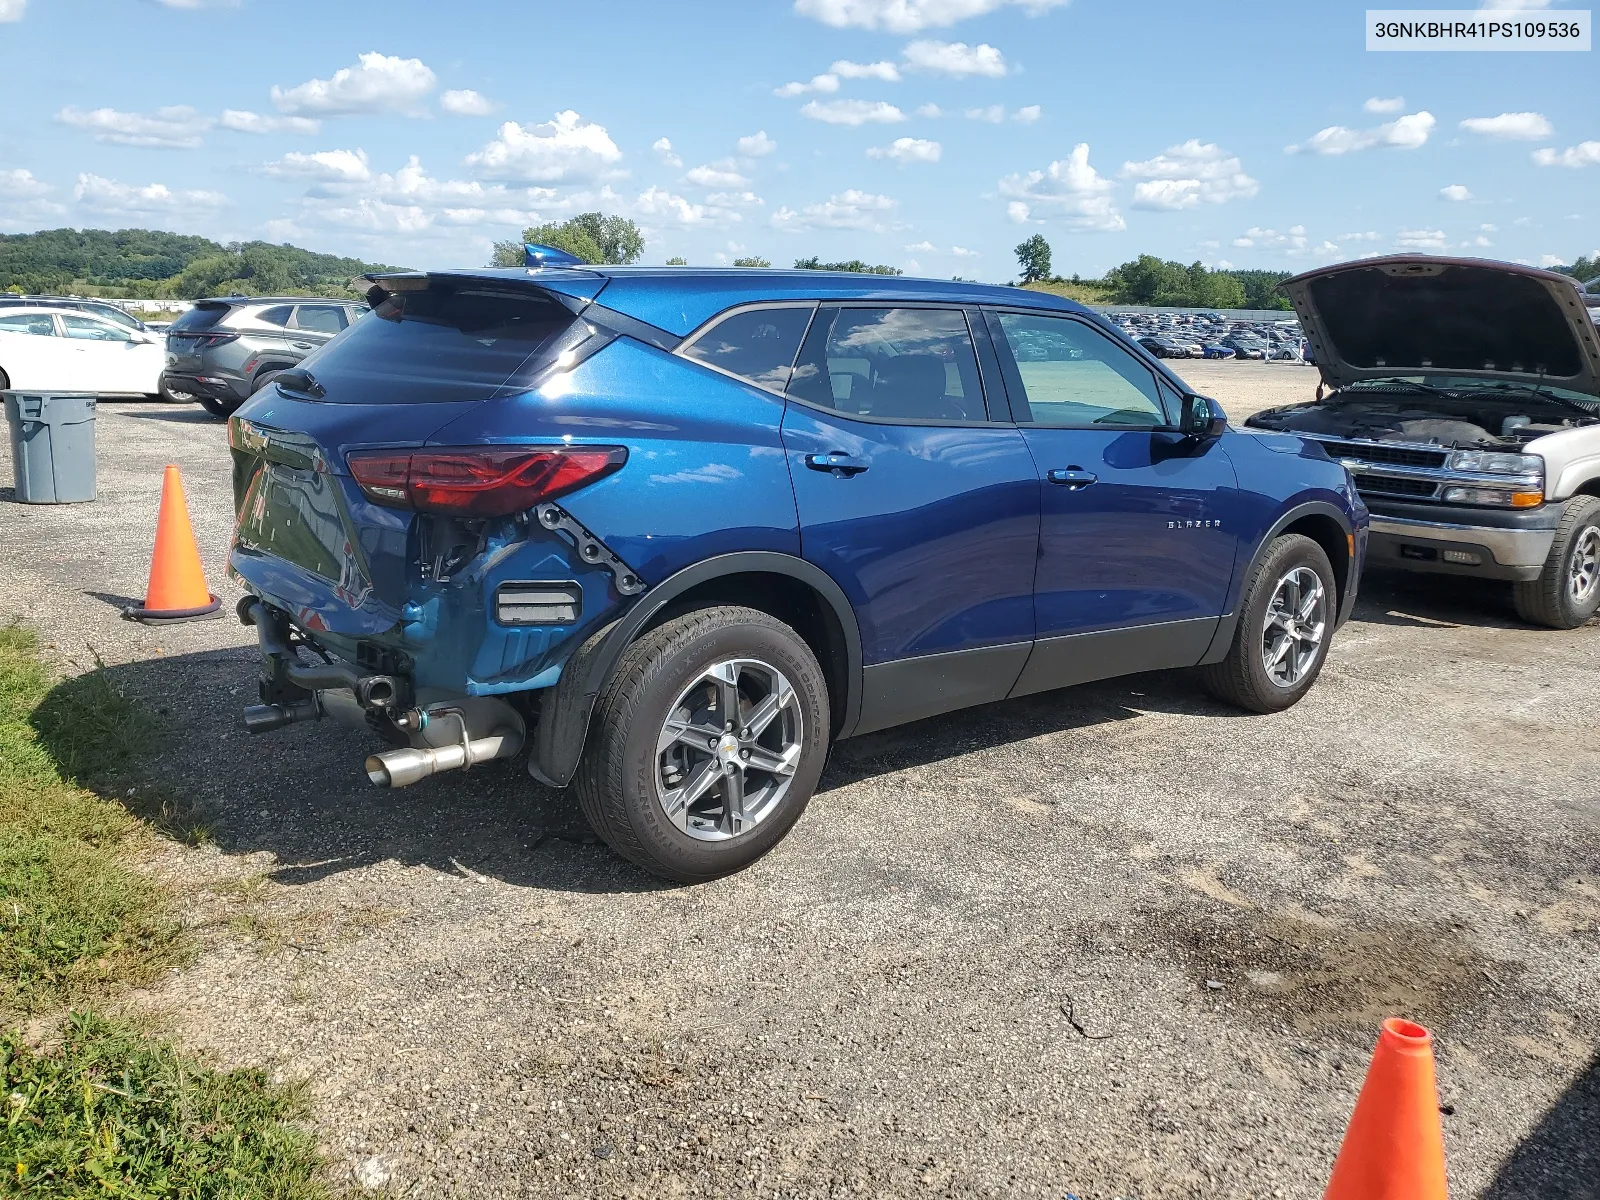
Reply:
x=144 y=339
x=1201 y=419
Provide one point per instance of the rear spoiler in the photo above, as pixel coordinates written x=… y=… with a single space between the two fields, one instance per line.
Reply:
x=574 y=290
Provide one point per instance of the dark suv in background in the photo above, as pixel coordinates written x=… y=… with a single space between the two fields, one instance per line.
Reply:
x=221 y=351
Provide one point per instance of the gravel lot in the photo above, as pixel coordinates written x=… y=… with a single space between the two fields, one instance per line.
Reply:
x=1115 y=942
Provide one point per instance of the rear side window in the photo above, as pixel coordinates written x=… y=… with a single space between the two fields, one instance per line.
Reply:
x=319 y=318
x=36 y=323
x=902 y=364
x=278 y=316
x=201 y=318
x=439 y=345
x=758 y=344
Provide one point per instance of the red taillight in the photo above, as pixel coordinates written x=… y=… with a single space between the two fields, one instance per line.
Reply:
x=207 y=340
x=480 y=481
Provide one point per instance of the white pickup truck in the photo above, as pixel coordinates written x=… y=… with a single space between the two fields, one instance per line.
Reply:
x=1464 y=397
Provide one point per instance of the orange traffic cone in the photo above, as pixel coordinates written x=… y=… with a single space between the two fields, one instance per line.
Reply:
x=1394 y=1148
x=177 y=590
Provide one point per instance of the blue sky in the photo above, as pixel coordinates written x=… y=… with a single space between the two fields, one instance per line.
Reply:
x=930 y=134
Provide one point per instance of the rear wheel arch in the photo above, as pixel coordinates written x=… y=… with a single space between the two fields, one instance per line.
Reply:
x=791 y=589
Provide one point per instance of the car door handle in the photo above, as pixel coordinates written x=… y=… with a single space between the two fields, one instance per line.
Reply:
x=1072 y=478
x=844 y=464
x=304 y=345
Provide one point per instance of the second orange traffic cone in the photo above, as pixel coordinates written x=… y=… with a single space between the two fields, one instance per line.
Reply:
x=177 y=589
x=1394 y=1148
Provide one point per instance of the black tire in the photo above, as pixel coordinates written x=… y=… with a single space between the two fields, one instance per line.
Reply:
x=265 y=379
x=173 y=397
x=5 y=382
x=222 y=409
x=1555 y=599
x=1242 y=677
x=620 y=772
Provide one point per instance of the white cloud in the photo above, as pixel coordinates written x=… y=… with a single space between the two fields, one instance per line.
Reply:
x=109 y=196
x=664 y=205
x=1027 y=114
x=12 y=10
x=993 y=114
x=336 y=167
x=1584 y=154
x=1189 y=174
x=377 y=83
x=1511 y=126
x=177 y=127
x=922 y=247
x=241 y=121
x=718 y=175
x=1291 y=241
x=1069 y=190
x=1455 y=191
x=956 y=59
x=852 y=112
x=466 y=103
x=909 y=16
x=565 y=147
x=664 y=151
x=886 y=71
x=907 y=150
x=1422 y=239
x=757 y=145
x=963 y=252
x=1489 y=228
x=1405 y=133
x=19 y=184
x=1385 y=104
x=825 y=83
x=850 y=209
x=1552 y=260
x=1369 y=236
x=929 y=110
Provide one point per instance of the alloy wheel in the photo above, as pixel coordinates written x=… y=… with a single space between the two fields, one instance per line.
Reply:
x=728 y=749
x=1583 y=568
x=1297 y=621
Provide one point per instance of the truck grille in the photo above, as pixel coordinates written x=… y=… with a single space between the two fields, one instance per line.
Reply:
x=1395 y=485
x=1399 y=456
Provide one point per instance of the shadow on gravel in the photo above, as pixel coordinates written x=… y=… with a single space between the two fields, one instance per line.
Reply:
x=177 y=415
x=301 y=794
x=1560 y=1159
x=1421 y=601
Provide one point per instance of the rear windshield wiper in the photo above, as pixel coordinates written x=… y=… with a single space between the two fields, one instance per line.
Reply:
x=302 y=381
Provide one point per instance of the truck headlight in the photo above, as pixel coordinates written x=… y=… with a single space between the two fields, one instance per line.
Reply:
x=1490 y=462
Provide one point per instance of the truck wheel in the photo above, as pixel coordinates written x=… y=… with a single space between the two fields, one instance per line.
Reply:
x=706 y=745
x=1567 y=592
x=1286 y=616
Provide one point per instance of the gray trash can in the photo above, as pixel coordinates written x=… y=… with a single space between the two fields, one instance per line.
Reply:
x=52 y=446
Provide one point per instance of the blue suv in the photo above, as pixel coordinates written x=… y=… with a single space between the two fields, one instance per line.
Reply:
x=675 y=531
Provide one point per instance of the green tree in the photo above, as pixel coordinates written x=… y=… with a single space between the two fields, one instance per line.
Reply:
x=1033 y=256
x=853 y=265
x=753 y=261
x=589 y=237
x=677 y=261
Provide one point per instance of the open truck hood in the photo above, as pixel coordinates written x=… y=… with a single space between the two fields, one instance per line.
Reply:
x=1417 y=314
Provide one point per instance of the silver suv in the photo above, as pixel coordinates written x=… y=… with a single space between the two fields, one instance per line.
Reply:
x=222 y=351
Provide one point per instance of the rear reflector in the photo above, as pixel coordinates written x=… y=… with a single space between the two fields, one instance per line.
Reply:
x=480 y=481
x=520 y=602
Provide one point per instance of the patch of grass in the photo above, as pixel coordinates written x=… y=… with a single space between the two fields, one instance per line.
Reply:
x=1088 y=291
x=73 y=914
x=111 y=1111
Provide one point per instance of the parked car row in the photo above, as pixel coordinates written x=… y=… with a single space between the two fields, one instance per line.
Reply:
x=1212 y=335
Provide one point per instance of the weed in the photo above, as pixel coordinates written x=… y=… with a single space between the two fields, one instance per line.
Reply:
x=74 y=914
x=114 y=1112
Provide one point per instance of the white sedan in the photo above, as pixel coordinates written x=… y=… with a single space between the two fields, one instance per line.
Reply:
x=58 y=350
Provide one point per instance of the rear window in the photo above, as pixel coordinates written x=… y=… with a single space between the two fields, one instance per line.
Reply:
x=434 y=345
x=200 y=318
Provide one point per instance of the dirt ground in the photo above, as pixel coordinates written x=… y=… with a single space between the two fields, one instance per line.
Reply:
x=1117 y=941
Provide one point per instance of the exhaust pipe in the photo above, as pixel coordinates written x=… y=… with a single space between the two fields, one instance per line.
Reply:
x=264 y=718
x=403 y=767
